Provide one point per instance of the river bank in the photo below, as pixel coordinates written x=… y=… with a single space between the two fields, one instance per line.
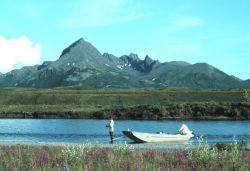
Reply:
x=185 y=110
x=144 y=103
x=70 y=115
x=122 y=157
x=141 y=146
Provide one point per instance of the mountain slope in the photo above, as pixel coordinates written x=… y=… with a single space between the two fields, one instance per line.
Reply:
x=82 y=64
x=79 y=64
x=246 y=83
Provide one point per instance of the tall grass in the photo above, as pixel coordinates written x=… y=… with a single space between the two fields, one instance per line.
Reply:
x=123 y=103
x=122 y=157
x=14 y=96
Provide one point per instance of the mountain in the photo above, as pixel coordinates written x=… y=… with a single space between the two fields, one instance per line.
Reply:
x=79 y=64
x=82 y=64
x=246 y=83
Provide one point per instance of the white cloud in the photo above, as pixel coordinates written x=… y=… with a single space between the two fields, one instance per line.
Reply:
x=102 y=12
x=189 y=21
x=18 y=52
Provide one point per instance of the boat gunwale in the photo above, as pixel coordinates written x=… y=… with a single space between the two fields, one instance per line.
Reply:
x=135 y=136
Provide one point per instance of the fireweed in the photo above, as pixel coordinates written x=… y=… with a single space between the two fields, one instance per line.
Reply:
x=122 y=157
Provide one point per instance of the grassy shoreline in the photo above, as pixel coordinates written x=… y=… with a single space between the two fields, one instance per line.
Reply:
x=159 y=104
x=199 y=111
x=123 y=157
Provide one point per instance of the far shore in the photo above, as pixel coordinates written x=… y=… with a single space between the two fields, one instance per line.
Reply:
x=70 y=115
x=141 y=104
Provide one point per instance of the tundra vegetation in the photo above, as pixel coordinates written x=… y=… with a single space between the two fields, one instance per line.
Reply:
x=147 y=103
x=125 y=157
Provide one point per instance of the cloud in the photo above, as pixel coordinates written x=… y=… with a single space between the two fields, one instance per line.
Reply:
x=102 y=12
x=189 y=21
x=18 y=52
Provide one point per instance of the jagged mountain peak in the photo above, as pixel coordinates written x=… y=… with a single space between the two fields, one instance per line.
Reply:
x=80 y=49
x=66 y=50
x=109 y=57
x=82 y=64
x=134 y=56
x=148 y=60
x=147 y=57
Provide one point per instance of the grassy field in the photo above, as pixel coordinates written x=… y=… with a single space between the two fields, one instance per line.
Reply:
x=124 y=157
x=115 y=96
x=77 y=102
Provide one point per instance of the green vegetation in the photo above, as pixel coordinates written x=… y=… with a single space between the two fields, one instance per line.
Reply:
x=80 y=102
x=123 y=157
x=245 y=96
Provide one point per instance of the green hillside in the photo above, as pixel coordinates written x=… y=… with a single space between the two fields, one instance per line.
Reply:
x=80 y=102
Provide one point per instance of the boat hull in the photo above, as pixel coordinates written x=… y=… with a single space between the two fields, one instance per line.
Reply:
x=140 y=137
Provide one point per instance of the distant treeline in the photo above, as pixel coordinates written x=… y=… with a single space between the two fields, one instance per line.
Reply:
x=202 y=110
x=171 y=103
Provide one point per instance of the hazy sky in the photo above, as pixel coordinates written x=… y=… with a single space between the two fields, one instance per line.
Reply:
x=216 y=31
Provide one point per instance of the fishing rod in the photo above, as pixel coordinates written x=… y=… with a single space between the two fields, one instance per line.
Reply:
x=118 y=137
x=115 y=138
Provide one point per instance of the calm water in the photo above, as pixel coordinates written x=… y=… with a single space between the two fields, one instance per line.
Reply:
x=84 y=130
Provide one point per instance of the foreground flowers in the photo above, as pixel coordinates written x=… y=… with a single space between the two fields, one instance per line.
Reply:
x=122 y=157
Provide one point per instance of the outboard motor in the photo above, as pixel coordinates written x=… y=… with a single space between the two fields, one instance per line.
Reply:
x=185 y=131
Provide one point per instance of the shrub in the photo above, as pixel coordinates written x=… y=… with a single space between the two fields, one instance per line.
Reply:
x=203 y=153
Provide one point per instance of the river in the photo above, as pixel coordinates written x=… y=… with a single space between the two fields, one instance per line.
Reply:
x=88 y=130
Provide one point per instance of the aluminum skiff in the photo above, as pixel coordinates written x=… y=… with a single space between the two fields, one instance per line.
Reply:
x=141 y=137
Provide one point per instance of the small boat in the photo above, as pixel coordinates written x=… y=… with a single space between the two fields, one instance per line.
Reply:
x=142 y=137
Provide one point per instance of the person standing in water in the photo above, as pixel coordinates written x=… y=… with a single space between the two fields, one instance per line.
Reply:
x=111 y=129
